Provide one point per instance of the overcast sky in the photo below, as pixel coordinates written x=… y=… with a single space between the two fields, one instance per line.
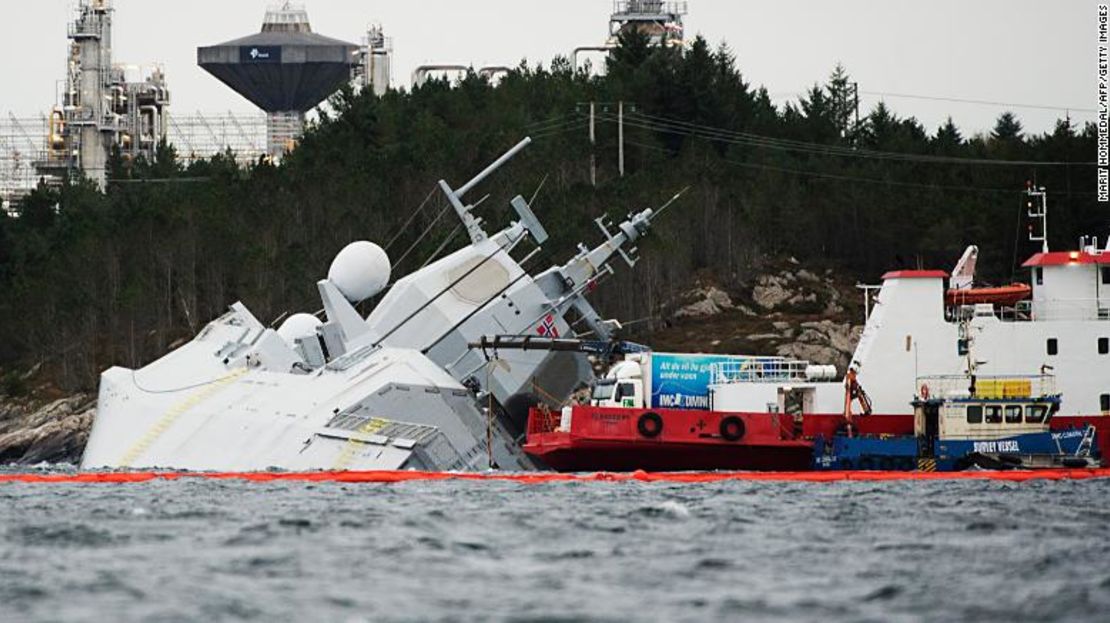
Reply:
x=1019 y=52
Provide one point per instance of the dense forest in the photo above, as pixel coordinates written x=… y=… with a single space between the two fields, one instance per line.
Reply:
x=91 y=278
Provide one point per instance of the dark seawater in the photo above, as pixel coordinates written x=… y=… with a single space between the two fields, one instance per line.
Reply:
x=196 y=550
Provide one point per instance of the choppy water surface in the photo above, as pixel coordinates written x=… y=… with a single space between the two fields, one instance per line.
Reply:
x=214 y=550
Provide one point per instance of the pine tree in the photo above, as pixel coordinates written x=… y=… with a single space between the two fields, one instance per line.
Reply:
x=842 y=97
x=1007 y=128
x=880 y=127
x=948 y=138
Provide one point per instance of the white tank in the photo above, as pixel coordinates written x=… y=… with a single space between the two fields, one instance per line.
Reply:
x=820 y=372
x=298 y=326
x=360 y=270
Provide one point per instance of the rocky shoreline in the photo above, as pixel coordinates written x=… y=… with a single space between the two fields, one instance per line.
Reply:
x=32 y=432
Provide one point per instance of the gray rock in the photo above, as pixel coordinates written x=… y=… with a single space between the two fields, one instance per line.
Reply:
x=55 y=432
x=771 y=292
x=712 y=301
x=816 y=353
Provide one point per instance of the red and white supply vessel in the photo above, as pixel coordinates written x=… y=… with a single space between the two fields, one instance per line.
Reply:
x=921 y=323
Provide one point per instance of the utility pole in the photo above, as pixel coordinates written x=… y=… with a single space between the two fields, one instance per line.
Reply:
x=855 y=128
x=620 y=136
x=593 y=149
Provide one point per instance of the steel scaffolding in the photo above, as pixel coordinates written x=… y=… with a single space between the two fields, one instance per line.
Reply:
x=24 y=144
x=202 y=135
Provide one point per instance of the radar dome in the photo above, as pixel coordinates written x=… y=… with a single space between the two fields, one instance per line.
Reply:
x=298 y=326
x=360 y=270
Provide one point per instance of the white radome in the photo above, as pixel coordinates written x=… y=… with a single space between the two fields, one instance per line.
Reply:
x=298 y=326
x=360 y=270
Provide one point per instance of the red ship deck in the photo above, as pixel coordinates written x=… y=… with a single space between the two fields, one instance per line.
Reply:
x=607 y=439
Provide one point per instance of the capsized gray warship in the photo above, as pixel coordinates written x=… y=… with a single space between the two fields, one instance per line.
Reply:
x=400 y=389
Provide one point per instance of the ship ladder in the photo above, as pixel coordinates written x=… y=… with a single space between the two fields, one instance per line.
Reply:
x=1087 y=442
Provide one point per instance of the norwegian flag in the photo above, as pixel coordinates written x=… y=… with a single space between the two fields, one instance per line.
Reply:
x=547 y=328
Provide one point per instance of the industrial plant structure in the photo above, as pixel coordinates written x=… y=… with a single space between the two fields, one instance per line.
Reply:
x=103 y=107
x=286 y=70
x=660 y=21
x=375 y=60
x=107 y=106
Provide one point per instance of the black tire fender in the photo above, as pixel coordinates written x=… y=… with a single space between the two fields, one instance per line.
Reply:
x=732 y=428
x=649 y=425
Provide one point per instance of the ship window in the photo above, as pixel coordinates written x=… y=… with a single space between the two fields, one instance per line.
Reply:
x=974 y=414
x=993 y=414
x=1103 y=345
x=603 y=390
x=1104 y=402
x=1038 y=275
x=1013 y=414
x=1106 y=275
x=1052 y=346
x=1034 y=414
x=625 y=390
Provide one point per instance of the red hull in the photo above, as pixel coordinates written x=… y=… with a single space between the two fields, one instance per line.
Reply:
x=607 y=439
x=561 y=452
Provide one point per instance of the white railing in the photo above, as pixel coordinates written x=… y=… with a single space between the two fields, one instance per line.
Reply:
x=1055 y=309
x=985 y=386
x=649 y=7
x=759 y=370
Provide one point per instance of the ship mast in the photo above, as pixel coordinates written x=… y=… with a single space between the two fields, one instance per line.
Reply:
x=1036 y=206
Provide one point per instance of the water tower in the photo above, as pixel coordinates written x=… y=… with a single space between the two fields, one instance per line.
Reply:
x=285 y=70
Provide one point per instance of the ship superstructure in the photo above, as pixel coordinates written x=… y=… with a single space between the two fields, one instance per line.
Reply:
x=921 y=324
x=399 y=389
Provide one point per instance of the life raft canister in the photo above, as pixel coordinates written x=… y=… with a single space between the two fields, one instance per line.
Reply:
x=650 y=424
x=732 y=428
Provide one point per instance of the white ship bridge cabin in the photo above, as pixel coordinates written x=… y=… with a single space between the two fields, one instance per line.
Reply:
x=929 y=323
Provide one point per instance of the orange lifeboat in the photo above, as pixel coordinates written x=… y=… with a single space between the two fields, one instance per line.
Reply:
x=1002 y=295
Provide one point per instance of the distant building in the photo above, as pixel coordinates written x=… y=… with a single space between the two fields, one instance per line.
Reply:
x=105 y=106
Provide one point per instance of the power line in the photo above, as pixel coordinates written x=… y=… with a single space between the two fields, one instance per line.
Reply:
x=563 y=128
x=960 y=100
x=156 y=180
x=675 y=126
x=846 y=178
